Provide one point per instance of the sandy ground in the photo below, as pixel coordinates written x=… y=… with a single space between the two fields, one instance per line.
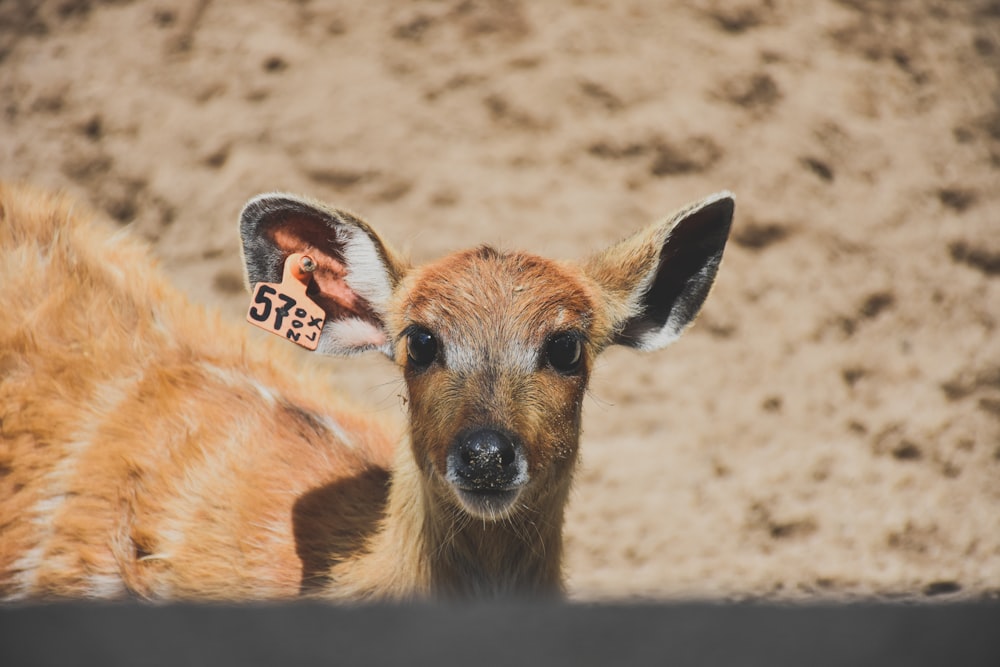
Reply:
x=831 y=426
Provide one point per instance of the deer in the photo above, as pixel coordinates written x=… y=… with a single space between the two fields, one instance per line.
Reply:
x=150 y=450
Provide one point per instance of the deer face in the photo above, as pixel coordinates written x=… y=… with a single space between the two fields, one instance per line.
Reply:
x=496 y=349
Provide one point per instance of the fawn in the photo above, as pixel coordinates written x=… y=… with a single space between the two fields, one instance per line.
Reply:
x=148 y=449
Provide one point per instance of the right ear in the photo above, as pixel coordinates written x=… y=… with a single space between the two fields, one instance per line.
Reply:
x=356 y=273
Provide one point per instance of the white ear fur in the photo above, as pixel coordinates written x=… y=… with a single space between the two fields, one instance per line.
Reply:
x=368 y=276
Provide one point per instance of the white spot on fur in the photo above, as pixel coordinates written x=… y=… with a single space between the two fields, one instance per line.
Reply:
x=105 y=585
x=169 y=536
x=263 y=390
x=237 y=380
x=338 y=433
x=26 y=573
x=154 y=557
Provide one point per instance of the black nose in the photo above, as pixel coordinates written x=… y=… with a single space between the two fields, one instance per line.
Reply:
x=486 y=460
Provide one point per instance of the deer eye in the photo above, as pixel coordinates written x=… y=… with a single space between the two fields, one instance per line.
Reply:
x=421 y=347
x=564 y=352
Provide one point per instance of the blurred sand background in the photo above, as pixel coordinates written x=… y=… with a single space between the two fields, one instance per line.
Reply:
x=831 y=425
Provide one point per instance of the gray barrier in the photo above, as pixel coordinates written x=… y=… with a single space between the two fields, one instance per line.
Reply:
x=505 y=633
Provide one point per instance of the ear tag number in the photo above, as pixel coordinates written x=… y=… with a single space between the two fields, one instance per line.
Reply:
x=284 y=309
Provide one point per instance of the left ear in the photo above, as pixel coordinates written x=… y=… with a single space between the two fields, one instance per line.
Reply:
x=655 y=282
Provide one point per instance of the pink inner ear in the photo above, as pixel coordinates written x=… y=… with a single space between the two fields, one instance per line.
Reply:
x=329 y=288
x=330 y=281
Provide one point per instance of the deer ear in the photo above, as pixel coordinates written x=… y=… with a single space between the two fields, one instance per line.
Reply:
x=356 y=273
x=655 y=282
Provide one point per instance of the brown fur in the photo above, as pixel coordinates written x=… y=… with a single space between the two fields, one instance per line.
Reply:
x=148 y=449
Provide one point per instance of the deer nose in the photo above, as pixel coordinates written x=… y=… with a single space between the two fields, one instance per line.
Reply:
x=486 y=460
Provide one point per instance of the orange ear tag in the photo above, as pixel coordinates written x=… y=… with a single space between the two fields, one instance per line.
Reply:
x=284 y=309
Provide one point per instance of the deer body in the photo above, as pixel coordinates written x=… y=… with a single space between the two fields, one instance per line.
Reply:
x=148 y=449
